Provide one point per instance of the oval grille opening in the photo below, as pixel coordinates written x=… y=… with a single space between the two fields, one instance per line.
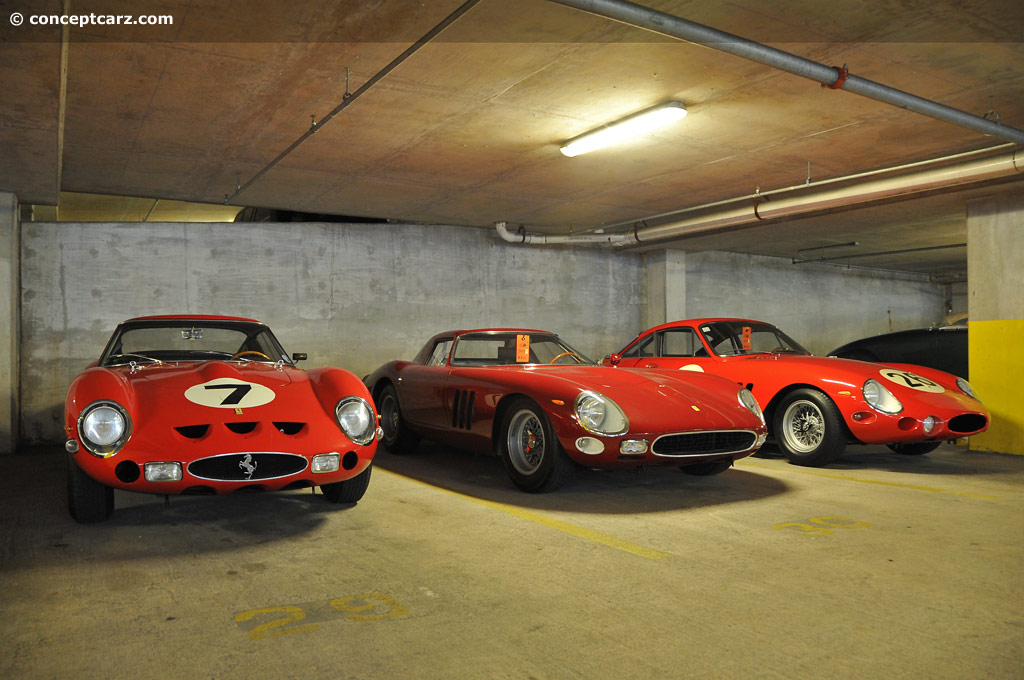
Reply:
x=247 y=467
x=968 y=422
x=698 y=443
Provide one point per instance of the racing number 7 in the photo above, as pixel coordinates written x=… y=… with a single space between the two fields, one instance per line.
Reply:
x=238 y=392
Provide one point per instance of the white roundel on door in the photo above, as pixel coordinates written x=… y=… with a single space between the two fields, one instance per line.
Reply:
x=229 y=393
x=911 y=380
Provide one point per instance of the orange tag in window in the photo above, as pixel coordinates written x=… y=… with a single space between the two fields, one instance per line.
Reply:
x=522 y=349
x=746 y=337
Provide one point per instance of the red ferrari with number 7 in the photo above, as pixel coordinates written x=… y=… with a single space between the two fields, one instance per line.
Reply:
x=815 y=406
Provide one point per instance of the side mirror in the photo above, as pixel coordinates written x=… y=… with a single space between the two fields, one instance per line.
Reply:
x=613 y=359
x=299 y=356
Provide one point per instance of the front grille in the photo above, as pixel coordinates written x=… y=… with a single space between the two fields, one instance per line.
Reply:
x=701 y=443
x=968 y=422
x=247 y=467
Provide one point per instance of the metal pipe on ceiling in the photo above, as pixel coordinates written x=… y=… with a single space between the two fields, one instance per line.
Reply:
x=829 y=76
x=961 y=174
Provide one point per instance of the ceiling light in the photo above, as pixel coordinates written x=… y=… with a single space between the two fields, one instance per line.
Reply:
x=639 y=123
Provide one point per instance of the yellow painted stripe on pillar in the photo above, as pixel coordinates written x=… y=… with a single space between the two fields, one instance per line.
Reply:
x=996 y=357
x=551 y=522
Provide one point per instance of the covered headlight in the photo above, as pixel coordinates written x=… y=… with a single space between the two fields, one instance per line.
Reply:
x=104 y=428
x=598 y=414
x=355 y=418
x=747 y=400
x=965 y=387
x=880 y=398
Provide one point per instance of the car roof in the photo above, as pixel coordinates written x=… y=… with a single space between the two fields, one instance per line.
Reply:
x=492 y=330
x=201 y=317
x=699 y=321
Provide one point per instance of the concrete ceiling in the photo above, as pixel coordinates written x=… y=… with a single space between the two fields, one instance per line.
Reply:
x=466 y=131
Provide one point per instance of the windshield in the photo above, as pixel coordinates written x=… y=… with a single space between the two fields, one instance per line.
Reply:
x=514 y=349
x=731 y=338
x=178 y=340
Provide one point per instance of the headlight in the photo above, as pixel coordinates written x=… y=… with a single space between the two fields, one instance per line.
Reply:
x=879 y=398
x=104 y=428
x=355 y=418
x=965 y=387
x=747 y=399
x=600 y=415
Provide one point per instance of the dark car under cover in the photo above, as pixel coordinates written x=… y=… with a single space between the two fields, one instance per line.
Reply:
x=943 y=348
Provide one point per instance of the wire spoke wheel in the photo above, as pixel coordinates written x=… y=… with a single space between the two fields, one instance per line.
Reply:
x=526 y=442
x=804 y=426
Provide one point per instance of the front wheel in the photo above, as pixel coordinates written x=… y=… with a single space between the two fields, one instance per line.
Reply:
x=350 y=490
x=533 y=458
x=88 y=500
x=808 y=428
x=914 y=449
x=398 y=438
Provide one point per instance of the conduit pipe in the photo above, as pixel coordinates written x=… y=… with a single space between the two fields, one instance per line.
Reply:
x=969 y=172
x=829 y=76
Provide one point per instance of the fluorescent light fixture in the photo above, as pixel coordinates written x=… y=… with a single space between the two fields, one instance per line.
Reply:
x=639 y=123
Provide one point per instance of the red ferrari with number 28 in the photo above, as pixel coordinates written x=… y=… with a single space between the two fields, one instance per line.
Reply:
x=813 y=405
x=211 y=405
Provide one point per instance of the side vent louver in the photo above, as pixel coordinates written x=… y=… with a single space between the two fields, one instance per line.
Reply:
x=462 y=409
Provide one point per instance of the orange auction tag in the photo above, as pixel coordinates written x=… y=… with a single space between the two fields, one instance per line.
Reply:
x=746 y=337
x=522 y=349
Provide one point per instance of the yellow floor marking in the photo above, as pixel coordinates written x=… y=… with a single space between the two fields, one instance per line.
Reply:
x=899 y=485
x=550 y=522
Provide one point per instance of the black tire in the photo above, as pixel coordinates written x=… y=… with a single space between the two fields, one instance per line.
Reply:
x=914 y=449
x=808 y=428
x=715 y=467
x=88 y=500
x=529 y=449
x=350 y=490
x=398 y=438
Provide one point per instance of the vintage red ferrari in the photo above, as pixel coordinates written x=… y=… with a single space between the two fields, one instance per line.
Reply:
x=815 y=405
x=211 y=405
x=528 y=397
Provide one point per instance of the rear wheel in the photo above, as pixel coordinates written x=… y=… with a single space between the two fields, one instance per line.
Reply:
x=88 y=500
x=398 y=438
x=707 y=469
x=914 y=449
x=808 y=428
x=350 y=490
x=533 y=458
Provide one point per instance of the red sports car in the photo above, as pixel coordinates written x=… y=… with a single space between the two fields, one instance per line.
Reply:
x=815 y=405
x=211 y=405
x=541 y=406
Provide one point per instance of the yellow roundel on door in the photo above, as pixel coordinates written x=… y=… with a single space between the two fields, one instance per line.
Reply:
x=230 y=393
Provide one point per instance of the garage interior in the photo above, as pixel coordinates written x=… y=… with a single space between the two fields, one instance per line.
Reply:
x=362 y=175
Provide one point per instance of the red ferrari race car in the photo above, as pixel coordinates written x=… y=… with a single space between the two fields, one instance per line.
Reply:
x=211 y=405
x=815 y=405
x=541 y=406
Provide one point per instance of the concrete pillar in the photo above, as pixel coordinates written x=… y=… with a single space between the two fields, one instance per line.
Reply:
x=995 y=273
x=10 y=320
x=666 y=286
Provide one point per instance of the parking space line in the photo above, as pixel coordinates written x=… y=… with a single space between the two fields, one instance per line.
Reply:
x=552 y=523
x=861 y=480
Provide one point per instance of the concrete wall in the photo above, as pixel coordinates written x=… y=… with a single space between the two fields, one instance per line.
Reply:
x=819 y=306
x=995 y=266
x=10 y=272
x=350 y=295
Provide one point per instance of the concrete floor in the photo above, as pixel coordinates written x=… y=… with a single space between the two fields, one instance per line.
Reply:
x=880 y=566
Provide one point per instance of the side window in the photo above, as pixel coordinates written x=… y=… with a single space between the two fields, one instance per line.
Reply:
x=644 y=348
x=680 y=342
x=440 y=353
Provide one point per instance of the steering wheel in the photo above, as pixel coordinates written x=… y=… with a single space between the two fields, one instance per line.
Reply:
x=238 y=355
x=566 y=354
